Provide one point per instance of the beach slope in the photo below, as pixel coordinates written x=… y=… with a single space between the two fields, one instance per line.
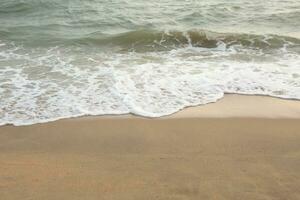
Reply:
x=242 y=147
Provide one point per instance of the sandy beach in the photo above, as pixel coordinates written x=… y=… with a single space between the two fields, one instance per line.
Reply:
x=242 y=147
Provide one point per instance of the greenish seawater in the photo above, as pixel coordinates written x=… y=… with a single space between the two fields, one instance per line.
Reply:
x=66 y=58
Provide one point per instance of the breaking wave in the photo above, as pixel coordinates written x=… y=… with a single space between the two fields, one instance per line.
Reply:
x=181 y=69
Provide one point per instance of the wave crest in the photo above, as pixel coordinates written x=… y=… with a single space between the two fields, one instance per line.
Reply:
x=143 y=40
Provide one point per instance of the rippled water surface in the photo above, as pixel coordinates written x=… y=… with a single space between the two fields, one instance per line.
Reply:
x=62 y=59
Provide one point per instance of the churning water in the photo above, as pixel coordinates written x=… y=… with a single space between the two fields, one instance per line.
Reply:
x=66 y=58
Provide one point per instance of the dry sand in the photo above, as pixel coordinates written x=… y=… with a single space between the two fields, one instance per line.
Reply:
x=242 y=147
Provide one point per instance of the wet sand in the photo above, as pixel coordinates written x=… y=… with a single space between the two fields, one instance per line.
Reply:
x=242 y=147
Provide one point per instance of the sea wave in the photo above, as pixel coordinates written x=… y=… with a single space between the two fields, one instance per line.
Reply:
x=40 y=84
x=61 y=59
x=150 y=40
x=166 y=40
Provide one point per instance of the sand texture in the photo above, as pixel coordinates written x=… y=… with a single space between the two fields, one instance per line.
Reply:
x=241 y=148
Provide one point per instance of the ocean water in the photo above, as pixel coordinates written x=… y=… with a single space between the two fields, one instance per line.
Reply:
x=68 y=58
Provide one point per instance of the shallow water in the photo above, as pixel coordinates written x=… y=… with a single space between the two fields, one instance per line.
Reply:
x=62 y=59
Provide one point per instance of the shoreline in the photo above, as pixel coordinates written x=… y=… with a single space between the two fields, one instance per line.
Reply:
x=229 y=106
x=242 y=147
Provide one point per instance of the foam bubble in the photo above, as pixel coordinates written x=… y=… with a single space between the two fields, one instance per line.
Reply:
x=39 y=85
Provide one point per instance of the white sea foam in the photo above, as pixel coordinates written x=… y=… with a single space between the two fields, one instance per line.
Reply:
x=39 y=85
